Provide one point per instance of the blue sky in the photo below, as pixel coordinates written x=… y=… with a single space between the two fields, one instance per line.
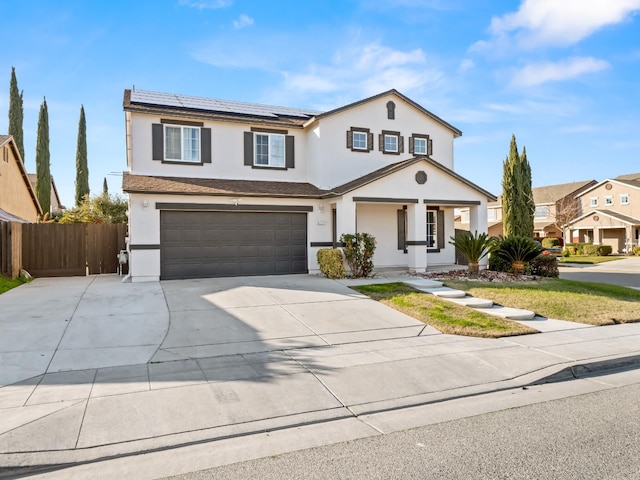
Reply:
x=563 y=76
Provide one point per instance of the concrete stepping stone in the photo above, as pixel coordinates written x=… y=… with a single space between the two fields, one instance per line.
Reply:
x=472 y=302
x=423 y=283
x=444 y=292
x=510 y=313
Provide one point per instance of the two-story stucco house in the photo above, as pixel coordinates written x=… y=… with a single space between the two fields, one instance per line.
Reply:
x=224 y=188
x=611 y=214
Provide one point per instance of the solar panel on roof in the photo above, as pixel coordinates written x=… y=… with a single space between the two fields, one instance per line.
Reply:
x=216 y=105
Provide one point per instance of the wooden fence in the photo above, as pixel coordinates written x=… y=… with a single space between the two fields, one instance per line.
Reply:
x=10 y=249
x=57 y=250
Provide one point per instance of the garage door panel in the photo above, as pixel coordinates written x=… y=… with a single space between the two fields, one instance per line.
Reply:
x=214 y=244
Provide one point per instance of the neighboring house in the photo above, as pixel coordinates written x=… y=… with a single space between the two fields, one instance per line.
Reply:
x=18 y=201
x=611 y=214
x=555 y=205
x=56 y=205
x=223 y=188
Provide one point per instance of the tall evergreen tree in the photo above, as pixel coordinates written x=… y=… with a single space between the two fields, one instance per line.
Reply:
x=16 y=113
x=517 y=197
x=105 y=187
x=43 y=165
x=82 y=168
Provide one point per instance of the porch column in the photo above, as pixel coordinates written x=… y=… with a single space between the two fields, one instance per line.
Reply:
x=478 y=223
x=345 y=216
x=417 y=237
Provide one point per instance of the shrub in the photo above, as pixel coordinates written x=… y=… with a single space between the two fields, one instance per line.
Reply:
x=566 y=253
x=550 y=242
x=518 y=250
x=571 y=250
x=498 y=264
x=331 y=263
x=590 y=249
x=544 y=266
x=474 y=247
x=604 y=250
x=636 y=251
x=358 y=252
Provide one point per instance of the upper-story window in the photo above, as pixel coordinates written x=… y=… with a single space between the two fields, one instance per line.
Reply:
x=391 y=142
x=175 y=141
x=593 y=201
x=624 y=199
x=541 y=212
x=182 y=144
x=359 y=139
x=269 y=150
x=420 y=144
x=491 y=214
x=608 y=200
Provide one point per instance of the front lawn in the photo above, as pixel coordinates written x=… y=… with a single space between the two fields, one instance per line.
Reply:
x=445 y=316
x=588 y=259
x=7 y=284
x=583 y=302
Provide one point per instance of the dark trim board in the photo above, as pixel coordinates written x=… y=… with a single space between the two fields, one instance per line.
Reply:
x=321 y=244
x=147 y=246
x=181 y=122
x=385 y=200
x=269 y=130
x=452 y=202
x=416 y=242
x=217 y=207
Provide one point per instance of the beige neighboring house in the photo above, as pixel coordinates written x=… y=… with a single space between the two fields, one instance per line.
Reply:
x=56 y=205
x=611 y=214
x=555 y=206
x=18 y=201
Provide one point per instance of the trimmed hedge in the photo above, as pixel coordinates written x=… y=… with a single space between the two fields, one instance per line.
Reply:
x=550 y=242
x=636 y=251
x=544 y=266
x=331 y=263
x=588 y=249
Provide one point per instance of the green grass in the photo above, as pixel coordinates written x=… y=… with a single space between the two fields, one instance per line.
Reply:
x=586 y=259
x=7 y=284
x=583 y=302
x=445 y=316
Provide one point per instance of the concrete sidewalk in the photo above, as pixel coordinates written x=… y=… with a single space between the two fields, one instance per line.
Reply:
x=227 y=357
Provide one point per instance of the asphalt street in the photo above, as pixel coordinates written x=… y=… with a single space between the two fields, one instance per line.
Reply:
x=592 y=436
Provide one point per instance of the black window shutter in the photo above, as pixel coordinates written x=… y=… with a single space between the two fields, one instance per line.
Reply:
x=289 y=151
x=429 y=147
x=440 y=228
x=411 y=144
x=157 y=134
x=381 y=142
x=401 y=144
x=370 y=141
x=349 y=139
x=402 y=234
x=205 y=145
x=248 y=148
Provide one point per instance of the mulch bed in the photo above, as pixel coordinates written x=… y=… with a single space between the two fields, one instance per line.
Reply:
x=483 y=276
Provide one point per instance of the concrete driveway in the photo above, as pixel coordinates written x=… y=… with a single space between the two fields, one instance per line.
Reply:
x=61 y=324
x=624 y=272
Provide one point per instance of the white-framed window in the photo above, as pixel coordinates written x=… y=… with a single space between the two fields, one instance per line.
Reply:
x=181 y=144
x=360 y=141
x=541 y=212
x=391 y=143
x=593 y=201
x=624 y=199
x=419 y=146
x=432 y=228
x=269 y=150
x=464 y=216
x=491 y=215
x=608 y=200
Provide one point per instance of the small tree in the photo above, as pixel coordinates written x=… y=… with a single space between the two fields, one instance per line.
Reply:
x=43 y=172
x=105 y=187
x=358 y=252
x=474 y=247
x=100 y=209
x=16 y=113
x=82 y=168
x=517 y=197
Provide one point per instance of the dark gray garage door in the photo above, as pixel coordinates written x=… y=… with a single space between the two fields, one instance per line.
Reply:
x=223 y=244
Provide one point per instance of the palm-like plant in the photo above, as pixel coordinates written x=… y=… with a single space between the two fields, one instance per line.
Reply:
x=518 y=250
x=474 y=247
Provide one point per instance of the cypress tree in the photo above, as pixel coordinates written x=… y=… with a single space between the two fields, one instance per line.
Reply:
x=82 y=168
x=16 y=113
x=517 y=198
x=105 y=187
x=43 y=172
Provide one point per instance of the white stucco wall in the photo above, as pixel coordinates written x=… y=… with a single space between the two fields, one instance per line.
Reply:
x=380 y=220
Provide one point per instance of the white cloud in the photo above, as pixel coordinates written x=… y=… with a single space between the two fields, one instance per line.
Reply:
x=206 y=4
x=538 y=73
x=556 y=22
x=243 y=21
x=466 y=65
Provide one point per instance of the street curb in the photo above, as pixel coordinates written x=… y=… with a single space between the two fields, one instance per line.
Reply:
x=30 y=463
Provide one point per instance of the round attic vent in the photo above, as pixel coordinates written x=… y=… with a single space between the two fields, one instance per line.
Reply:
x=421 y=177
x=608 y=186
x=596 y=218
